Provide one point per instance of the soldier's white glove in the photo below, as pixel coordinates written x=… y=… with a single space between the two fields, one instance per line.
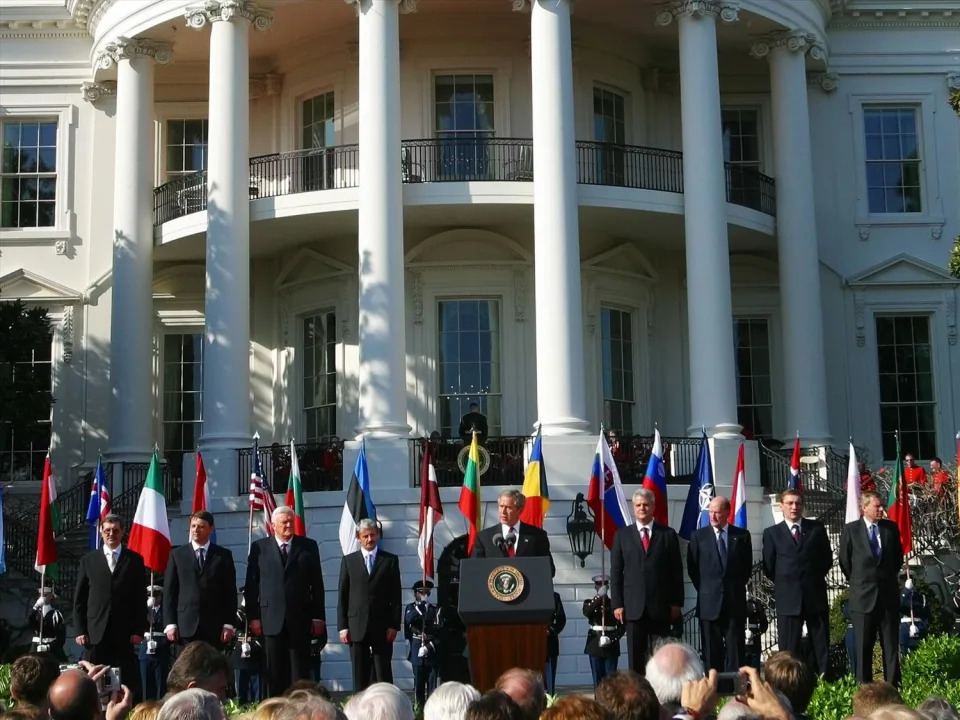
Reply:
x=423 y=652
x=39 y=603
x=602 y=592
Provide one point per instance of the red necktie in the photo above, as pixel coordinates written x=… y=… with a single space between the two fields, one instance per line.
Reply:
x=645 y=538
x=511 y=549
x=796 y=534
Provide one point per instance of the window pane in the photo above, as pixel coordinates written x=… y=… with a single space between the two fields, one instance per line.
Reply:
x=890 y=134
x=754 y=389
x=182 y=411
x=319 y=375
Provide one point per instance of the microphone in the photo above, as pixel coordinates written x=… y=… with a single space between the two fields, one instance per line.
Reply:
x=499 y=541
x=511 y=539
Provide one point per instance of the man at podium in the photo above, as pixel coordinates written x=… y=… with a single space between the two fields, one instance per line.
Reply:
x=510 y=537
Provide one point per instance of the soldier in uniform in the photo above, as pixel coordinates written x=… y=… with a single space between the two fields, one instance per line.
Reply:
x=47 y=624
x=914 y=618
x=246 y=657
x=603 y=633
x=154 y=651
x=421 y=628
x=757 y=625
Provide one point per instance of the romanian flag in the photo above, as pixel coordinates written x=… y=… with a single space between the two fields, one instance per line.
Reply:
x=295 y=494
x=655 y=480
x=898 y=504
x=535 y=487
x=469 y=503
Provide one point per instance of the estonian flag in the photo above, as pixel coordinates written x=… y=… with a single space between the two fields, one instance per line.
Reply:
x=358 y=504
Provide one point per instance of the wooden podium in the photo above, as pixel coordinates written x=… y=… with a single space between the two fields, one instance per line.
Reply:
x=506 y=604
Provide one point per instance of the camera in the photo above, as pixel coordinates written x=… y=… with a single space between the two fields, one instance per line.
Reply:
x=151 y=647
x=110 y=681
x=43 y=648
x=732 y=683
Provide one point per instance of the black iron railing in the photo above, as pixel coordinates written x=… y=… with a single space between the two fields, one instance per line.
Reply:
x=629 y=166
x=330 y=168
x=463 y=159
x=185 y=195
x=632 y=454
x=507 y=455
x=321 y=466
x=750 y=188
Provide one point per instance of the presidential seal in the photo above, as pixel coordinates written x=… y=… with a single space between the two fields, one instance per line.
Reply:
x=505 y=583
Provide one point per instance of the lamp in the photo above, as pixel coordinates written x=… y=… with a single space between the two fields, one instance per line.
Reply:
x=581 y=530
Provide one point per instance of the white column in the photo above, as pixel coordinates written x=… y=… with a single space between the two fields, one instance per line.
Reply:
x=561 y=404
x=804 y=368
x=713 y=399
x=382 y=336
x=131 y=322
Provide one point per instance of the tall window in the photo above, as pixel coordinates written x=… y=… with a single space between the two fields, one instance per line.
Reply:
x=893 y=160
x=22 y=453
x=907 y=400
x=751 y=337
x=28 y=174
x=741 y=136
x=186 y=147
x=609 y=126
x=463 y=121
x=182 y=395
x=320 y=375
x=616 y=337
x=469 y=362
x=318 y=132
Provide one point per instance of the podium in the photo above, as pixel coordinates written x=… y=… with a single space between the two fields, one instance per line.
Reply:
x=506 y=604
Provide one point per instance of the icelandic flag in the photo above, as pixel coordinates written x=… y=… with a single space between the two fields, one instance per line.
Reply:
x=655 y=480
x=610 y=509
x=99 y=506
x=738 y=508
x=701 y=492
x=796 y=480
x=358 y=504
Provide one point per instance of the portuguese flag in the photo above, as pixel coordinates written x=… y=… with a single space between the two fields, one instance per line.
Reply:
x=295 y=494
x=898 y=504
x=469 y=503
x=49 y=525
x=150 y=533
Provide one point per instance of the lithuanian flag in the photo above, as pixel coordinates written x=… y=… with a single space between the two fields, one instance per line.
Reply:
x=535 y=487
x=469 y=503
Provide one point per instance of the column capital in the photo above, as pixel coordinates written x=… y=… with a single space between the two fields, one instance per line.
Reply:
x=130 y=48
x=95 y=91
x=727 y=10
x=953 y=81
x=212 y=11
x=796 y=41
x=828 y=82
x=406 y=6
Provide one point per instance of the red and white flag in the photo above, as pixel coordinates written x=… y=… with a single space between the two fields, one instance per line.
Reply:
x=796 y=479
x=431 y=510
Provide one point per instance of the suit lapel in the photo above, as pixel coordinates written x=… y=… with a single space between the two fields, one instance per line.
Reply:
x=378 y=562
x=292 y=552
x=654 y=540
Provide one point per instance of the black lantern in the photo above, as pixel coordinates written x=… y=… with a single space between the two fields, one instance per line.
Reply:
x=581 y=530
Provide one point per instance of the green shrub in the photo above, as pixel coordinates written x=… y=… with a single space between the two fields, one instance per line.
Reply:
x=5 y=684
x=936 y=660
x=833 y=701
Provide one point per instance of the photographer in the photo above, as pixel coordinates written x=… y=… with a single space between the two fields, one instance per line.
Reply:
x=76 y=695
x=700 y=697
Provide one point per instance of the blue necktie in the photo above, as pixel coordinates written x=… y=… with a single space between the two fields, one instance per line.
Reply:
x=875 y=543
x=722 y=549
x=370 y=564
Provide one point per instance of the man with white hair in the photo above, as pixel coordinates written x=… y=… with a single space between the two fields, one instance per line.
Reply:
x=449 y=701
x=285 y=601
x=192 y=704
x=669 y=668
x=382 y=701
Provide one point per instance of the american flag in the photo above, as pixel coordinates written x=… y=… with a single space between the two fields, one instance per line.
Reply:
x=261 y=497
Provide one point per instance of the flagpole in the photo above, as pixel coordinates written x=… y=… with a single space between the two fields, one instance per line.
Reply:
x=603 y=535
x=423 y=511
x=96 y=483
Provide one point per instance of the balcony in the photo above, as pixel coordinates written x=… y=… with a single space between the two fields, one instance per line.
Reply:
x=441 y=160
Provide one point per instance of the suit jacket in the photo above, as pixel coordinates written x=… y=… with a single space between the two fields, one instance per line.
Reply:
x=868 y=578
x=198 y=600
x=648 y=581
x=720 y=590
x=284 y=596
x=110 y=605
x=798 y=572
x=532 y=542
x=369 y=603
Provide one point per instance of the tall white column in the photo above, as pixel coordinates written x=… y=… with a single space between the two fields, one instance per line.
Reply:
x=713 y=398
x=561 y=403
x=382 y=336
x=804 y=366
x=131 y=322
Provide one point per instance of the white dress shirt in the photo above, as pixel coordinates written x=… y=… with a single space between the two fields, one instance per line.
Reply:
x=869 y=524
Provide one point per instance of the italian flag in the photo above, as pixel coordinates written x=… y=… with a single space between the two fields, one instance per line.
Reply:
x=898 y=504
x=49 y=525
x=150 y=533
x=469 y=503
x=295 y=494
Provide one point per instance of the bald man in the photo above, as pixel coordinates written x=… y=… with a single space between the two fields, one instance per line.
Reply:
x=74 y=696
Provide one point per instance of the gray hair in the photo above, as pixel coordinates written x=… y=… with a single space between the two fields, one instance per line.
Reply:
x=313 y=707
x=367 y=524
x=670 y=667
x=449 y=701
x=383 y=701
x=192 y=704
x=937 y=708
x=519 y=499
x=645 y=494
x=735 y=710
x=281 y=510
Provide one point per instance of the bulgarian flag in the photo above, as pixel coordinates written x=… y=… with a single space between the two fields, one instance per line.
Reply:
x=295 y=494
x=898 y=503
x=49 y=525
x=469 y=503
x=150 y=533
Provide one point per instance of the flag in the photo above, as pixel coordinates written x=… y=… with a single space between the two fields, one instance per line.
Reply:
x=358 y=505
x=655 y=480
x=295 y=494
x=610 y=509
x=469 y=502
x=700 y=494
x=535 y=487
x=738 y=506
x=3 y=540
x=796 y=480
x=201 y=492
x=898 y=503
x=958 y=474
x=49 y=524
x=99 y=506
x=431 y=510
x=150 y=532
x=853 y=487
x=261 y=497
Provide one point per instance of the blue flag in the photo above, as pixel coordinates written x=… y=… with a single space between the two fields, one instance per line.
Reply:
x=3 y=541
x=701 y=492
x=99 y=506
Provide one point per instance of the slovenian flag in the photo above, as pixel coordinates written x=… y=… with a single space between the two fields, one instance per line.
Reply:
x=655 y=480
x=796 y=480
x=535 y=487
x=738 y=508
x=610 y=509
x=358 y=504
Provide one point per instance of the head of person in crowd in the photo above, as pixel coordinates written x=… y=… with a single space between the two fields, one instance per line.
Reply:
x=111 y=531
x=270 y=708
x=873 y=695
x=576 y=707
x=192 y=704
x=938 y=708
x=31 y=676
x=736 y=710
x=626 y=695
x=525 y=688
x=494 y=705
x=449 y=701
x=147 y=710
x=350 y=706
x=199 y=665
x=305 y=706
x=669 y=668
x=305 y=685
x=895 y=712
x=282 y=520
x=73 y=696
x=22 y=712
x=789 y=675
x=383 y=701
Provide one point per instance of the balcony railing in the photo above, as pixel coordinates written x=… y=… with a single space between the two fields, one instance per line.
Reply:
x=507 y=460
x=321 y=466
x=455 y=159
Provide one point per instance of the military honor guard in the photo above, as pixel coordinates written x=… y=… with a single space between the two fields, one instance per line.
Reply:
x=155 y=649
x=246 y=658
x=422 y=629
x=47 y=624
x=603 y=631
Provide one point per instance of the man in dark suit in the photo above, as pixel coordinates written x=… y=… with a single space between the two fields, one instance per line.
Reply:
x=797 y=557
x=473 y=420
x=871 y=556
x=196 y=607
x=510 y=537
x=719 y=559
x=284 y=601
x=646 y=579
x=368 y=611
x=109 y=602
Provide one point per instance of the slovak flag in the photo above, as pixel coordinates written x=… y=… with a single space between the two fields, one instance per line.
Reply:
x=796 y=480
x=738 y=508
x=610 y=509
x=655 y=480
